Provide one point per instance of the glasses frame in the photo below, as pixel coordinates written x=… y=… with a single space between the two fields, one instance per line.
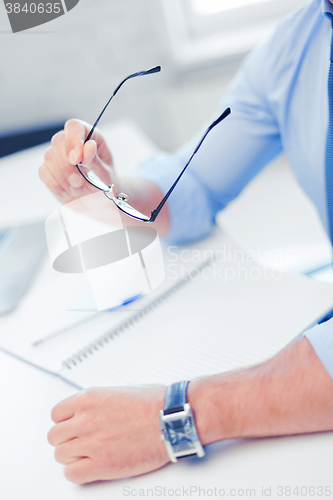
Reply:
x=121 y=200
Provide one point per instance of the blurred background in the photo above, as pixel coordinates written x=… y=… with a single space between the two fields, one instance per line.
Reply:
x=70 y=66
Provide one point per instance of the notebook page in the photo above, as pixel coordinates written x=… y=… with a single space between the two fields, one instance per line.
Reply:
x=211 y=325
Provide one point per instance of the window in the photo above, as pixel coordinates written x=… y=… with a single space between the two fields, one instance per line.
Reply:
x=203 y=30
x=213 y=6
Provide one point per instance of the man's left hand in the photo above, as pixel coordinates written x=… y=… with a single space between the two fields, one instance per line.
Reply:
x=109 y=433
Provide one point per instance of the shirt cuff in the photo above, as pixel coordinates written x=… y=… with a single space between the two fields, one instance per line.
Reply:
x=191 y=216
x=321 y=339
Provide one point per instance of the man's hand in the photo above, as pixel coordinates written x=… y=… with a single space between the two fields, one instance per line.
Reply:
x=67 y=149
x=61 y=176
x=109 y=433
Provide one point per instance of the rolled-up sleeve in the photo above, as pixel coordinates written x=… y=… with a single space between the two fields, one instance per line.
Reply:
x=321 y=339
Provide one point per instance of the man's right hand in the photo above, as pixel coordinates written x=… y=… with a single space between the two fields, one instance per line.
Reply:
x=61 y=176
x=67 y=149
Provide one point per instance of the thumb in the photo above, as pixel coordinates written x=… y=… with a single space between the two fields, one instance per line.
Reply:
x=92 y=160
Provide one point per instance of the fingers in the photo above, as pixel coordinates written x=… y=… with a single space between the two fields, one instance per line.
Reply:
x=108 y=433
x=47 y=177
x=62 y=432
x=69 y=451
x=63 y=410
x=81 y=471
x=59 y=171
x=79 y=468
x=55 y=161
x=60 y=166
x=91 y=159
x=76 y=132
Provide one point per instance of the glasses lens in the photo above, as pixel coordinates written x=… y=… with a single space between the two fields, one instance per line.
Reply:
x=127 y=209
x=91 y=177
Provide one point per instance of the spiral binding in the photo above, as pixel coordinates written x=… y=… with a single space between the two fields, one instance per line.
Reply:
x=100 y=342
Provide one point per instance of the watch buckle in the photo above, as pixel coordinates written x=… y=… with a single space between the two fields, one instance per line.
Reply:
x=179 y=415
x=173 y=417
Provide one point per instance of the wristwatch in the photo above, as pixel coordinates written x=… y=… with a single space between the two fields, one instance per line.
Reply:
x=178 y=426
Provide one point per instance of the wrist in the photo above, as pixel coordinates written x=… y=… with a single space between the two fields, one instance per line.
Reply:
x=157 y=405
x=145 y=196
x=217 y=402
x=201 y=396
x=230 y=405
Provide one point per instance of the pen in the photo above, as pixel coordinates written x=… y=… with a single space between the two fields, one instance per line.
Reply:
x=83 y=321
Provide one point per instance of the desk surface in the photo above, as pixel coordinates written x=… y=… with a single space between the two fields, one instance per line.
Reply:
x=239 y=468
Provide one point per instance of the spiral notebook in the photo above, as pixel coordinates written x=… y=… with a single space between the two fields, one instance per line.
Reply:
x=220 y=315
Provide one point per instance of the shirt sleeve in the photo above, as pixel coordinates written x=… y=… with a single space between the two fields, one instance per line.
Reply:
x=231 y=155
x=321 y=339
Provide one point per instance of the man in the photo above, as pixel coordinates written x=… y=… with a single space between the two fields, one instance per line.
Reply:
x=279 y=102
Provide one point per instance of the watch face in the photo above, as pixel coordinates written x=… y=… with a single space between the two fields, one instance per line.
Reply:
x=180 y=434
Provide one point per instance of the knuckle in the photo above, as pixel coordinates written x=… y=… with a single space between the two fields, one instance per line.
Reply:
x=73 y=132
x=84 y=401
x=51 y=436
x=57 y=139
x=48 y=156
x=72 y=475
x=58 y=190
x=54 y=414
x=70 y=124
x=58 y=455
x=51 y=183
x=86 y=397
x=84 y=421
x=41 y=172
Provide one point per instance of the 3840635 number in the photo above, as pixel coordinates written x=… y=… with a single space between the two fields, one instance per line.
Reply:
x=304 y=491
x=33 y=8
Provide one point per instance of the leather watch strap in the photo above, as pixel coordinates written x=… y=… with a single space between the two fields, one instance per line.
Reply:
x=176 y=395
x=178 y=425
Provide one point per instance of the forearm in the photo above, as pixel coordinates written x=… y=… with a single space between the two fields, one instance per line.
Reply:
x=291 y=393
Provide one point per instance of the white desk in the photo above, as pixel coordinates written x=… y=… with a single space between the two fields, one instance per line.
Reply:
x=27 y=468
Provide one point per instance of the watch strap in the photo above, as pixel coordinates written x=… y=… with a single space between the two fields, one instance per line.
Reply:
x=176 y=395
x=178 y=425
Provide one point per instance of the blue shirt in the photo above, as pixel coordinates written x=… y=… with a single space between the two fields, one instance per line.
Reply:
x=279 y=103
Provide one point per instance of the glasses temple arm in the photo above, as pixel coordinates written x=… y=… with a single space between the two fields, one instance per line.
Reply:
x=156 y=69
x=157 y=210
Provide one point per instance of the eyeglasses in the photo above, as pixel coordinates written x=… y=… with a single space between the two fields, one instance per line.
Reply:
x=121 y=201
